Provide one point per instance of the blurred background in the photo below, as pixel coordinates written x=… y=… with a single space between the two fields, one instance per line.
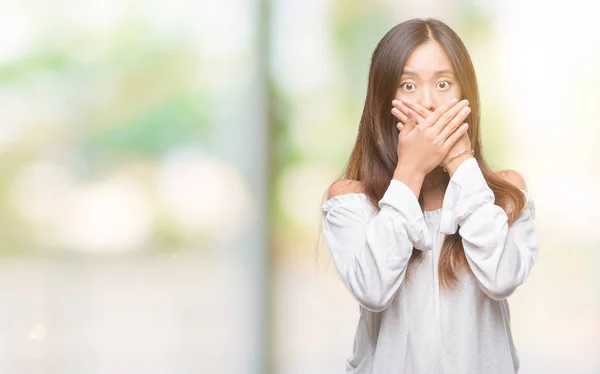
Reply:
x=164 y=163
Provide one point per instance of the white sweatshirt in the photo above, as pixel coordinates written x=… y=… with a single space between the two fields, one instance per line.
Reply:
x=413 y=326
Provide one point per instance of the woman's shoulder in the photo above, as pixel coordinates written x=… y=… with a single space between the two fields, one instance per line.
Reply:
x=345 y=186
x=347 y=193
x=517 y=180
x=514 y=178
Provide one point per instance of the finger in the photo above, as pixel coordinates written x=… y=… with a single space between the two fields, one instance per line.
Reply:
x=454 y=124
x=449 y=114
x=457 y=135
x=399 y=126
x=435 y=116
x=398 y=114
x=400 y=111
x=419 y=109
x=410 y=122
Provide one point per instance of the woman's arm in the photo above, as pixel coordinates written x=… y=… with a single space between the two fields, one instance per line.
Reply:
x=371 y=251
x=499 y=256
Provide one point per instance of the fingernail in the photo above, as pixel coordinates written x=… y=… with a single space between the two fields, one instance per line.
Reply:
x=395 y=102
x=394 y=110
x=404 y=100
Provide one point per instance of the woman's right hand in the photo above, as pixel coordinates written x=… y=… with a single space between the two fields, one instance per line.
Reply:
x=422 y=147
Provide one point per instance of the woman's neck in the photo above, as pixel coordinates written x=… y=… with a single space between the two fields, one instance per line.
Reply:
x=434 y=189
x=435 y=177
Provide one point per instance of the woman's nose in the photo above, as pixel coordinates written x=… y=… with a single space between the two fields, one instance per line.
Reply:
x=426 y=100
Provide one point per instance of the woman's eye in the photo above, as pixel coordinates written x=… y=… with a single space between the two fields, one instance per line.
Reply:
x=443 y=85
x=408 y=86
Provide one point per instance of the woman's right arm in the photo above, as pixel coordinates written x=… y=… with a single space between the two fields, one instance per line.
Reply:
x=371 y=252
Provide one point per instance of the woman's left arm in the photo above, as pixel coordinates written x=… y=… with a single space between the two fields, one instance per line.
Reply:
x=499 y=256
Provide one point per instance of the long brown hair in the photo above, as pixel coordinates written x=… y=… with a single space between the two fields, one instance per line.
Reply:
x=374 y=156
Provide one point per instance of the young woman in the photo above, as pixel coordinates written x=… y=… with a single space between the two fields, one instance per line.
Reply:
x=427 y=239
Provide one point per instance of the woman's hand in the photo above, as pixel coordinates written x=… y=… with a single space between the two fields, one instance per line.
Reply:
x=424 y=146
x=401 y=110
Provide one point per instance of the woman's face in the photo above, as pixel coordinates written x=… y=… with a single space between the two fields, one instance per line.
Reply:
x=428 y=78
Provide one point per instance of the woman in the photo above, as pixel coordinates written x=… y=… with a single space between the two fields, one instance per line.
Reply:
x=428 y=239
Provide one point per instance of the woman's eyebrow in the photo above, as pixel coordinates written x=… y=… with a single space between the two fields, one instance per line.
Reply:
x=437 y=73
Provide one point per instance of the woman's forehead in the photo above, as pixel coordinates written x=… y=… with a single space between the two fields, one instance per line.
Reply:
x=428 y=59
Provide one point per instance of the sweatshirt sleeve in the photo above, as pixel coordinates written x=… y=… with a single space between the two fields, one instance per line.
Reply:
x=500 y=256
x=371 y=249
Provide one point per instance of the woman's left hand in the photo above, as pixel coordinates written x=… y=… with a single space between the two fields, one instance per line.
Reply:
x=400 y=111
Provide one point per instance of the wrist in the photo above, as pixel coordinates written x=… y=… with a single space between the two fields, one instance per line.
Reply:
x=455 y=163
x=410 y=177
